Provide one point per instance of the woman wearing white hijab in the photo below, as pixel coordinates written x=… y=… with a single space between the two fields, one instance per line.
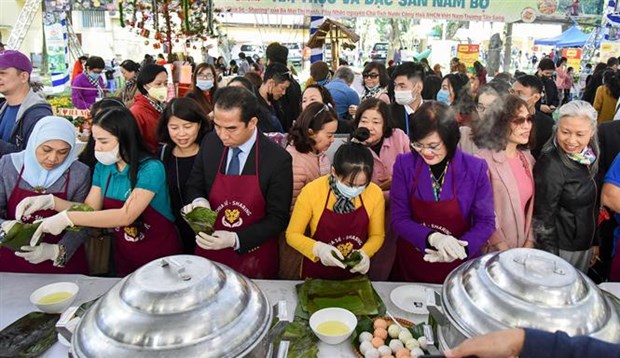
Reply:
x=46 y=166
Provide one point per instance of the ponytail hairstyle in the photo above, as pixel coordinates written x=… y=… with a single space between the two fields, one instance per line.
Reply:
x=353 y=158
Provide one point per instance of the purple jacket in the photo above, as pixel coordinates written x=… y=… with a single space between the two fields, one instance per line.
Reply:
x=474 y=195
x=84 y=94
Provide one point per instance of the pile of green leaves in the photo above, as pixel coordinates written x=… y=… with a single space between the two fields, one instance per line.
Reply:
x=303 y=343
x=201 y=220
x=21 y=233
x=352 y=260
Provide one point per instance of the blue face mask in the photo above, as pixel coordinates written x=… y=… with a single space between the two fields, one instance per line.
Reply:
x=350 y=192
x=443 y=96
x=204 y=85
x=94 y=75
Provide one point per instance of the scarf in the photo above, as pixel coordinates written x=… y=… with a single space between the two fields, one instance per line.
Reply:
x=94 y=83
x=343 y=204
x=47 y=128
x=130 y=86
x=158 y=106
x=586 y=157
x=372 y=92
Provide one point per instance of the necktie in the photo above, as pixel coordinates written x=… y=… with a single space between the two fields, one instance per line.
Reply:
x=233 y=166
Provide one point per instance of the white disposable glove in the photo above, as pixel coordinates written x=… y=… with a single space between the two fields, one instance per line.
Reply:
x=53 y=225
x=434 y=256
x=32 y=204
x=219 y=240
x=324 y=253
x=364 y=265
x=40 y=253
x=198 y=202
x=7 y=225
x=448 y=245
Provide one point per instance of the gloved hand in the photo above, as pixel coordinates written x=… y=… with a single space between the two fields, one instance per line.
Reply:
x=448 y=245
x=324 y=253
x=39 y=253
x=7 y=225
x=219 y=240
x=364 y=265
x=32 y=204
x=198 y=202
x=53 y=225
x=433 y=256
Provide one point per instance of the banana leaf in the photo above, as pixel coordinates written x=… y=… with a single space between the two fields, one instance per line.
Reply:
x=201 y=220
x=353 y=259
x=303 y=343
x=29 y=336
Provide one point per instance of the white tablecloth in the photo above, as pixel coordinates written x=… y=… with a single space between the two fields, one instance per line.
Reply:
x=15 y=290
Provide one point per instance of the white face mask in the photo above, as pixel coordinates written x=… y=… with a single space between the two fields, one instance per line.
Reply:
x=108 y=158
x=404 y=97
x=350 y=192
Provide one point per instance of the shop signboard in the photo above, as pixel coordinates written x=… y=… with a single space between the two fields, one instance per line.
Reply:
x=573 y=56
x=468 y=53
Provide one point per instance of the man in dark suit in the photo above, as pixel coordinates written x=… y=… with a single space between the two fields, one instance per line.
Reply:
x=248 y=180
x=530 y=88
x=408 y=84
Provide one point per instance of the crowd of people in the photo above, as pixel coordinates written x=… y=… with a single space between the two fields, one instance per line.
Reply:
x=437 y=169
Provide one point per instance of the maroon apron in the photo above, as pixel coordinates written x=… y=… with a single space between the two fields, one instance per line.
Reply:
x=239 y=203
x=150 y=237
x=443 y=216
x=346 y=232
x=11 y=263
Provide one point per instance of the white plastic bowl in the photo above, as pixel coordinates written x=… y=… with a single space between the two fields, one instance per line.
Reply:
x=57 y=307
x=333 y=314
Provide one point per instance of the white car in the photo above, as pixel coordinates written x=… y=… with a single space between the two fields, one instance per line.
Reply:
x=294 y=53
x=254 y=51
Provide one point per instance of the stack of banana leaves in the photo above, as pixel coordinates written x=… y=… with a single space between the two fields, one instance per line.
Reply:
x=20 y=234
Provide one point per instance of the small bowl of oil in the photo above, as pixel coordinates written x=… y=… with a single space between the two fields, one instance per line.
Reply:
x=55 y=297
x=333 y=325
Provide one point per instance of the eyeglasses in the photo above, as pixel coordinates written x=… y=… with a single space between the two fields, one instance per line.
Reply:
x=370 y=75
x=520 y=120
x=419 y=147
x=205 y=76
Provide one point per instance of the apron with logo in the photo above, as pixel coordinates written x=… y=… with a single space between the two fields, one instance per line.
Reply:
x=11 y=263
x=443 y=216
x=150 y=237
x=346 y=232
x=239 y=203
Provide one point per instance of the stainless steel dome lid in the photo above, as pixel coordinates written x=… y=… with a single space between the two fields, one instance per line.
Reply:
x=181 y=305
x=527 y=288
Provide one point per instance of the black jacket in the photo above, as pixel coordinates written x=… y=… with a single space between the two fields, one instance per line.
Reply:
x=565 y=205
x=398 y=117
x=290 y=105
x=550 y=93
x=275 y=173
x=543 y=127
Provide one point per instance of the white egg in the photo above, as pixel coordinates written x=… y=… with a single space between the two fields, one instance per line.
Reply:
x=365 y=346
x=393 y=331
x=372 y=353
x=423 y=342
x=396 y=345
x=385 y=350
x=404 y=335
x=365 y=336
x=412 y=343
x=417 y=352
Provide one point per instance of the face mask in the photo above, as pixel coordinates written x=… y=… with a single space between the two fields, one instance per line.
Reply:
x=94 y=75
x=158 y=93
x=350 y=192
x=108 y=158
x=373 y=87
x=443 y=96
x=404 y=97
x=204 y=85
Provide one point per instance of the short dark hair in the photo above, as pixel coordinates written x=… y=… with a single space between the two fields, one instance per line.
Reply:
x=412 y=70
x=351 y=159
x=130 y=66
x=245 y=82
x=432 y=85
x=277 y=72
x=546 y=64
x=384 y=79
x=612 y=61
x=241 y=55
x=459 y=83
x=119 y=122
x=254 y=78
x=81 y=58
x=379 y=106
x=147 y=75
x=88 y=154
x=326 y=96
x=314 y=117
x=186 y=109
x=319 y=71
x=277 y=53
x=95 y=62
x=532 y=82
x=229 y=98
x=493 y=134
x=433 y=116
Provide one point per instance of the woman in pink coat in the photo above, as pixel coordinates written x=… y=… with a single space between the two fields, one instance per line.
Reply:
x=385 y=143
x=503 y=145
x=309 y=138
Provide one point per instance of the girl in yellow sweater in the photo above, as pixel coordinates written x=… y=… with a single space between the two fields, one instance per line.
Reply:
x=345 y=213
